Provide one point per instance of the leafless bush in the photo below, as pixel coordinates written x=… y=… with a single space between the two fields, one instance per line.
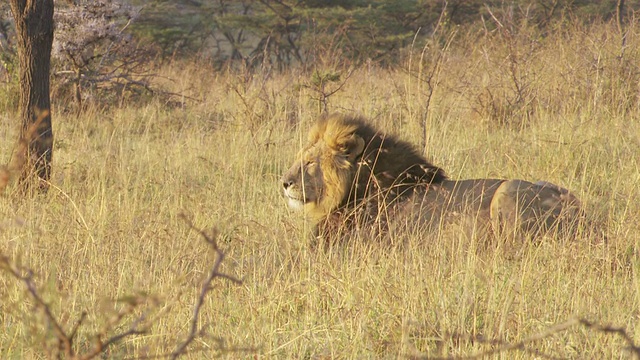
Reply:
x=60 y=343
x=96 y=56
x=509 y=97
x=427 y=69
x=214 y=273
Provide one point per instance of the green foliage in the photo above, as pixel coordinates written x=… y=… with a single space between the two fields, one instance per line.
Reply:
x=282 y=32
x=321 y=84
x=173 y=26
x=320 y=79
x=286 y=32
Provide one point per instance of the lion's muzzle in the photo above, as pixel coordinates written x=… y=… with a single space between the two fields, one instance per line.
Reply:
x=292 y=192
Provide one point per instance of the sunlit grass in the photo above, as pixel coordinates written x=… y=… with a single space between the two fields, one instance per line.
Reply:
x=110 y=225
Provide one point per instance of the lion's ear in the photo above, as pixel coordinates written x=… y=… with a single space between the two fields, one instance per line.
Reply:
x=354 y=147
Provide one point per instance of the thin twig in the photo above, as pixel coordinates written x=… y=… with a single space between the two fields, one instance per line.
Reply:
x=205 y=288
x=521 y=345
x=65 y=341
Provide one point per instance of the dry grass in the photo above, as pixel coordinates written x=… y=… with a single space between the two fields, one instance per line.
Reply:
x=110 y=225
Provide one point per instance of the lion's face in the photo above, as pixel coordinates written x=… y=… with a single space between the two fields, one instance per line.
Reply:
x=303 y=183
x=322 y=175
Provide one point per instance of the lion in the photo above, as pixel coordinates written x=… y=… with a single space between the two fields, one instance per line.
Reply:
x=352 y=176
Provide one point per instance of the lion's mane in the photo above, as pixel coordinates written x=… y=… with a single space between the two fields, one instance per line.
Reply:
x=360 y=167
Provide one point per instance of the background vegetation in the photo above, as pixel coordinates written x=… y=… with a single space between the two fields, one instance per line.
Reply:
x=495 y=94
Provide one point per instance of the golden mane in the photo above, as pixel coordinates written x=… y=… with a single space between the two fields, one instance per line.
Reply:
x=358 y=162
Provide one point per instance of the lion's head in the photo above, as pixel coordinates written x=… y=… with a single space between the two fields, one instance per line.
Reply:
x=346 y=161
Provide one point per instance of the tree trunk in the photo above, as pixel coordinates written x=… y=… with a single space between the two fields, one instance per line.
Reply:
x=34 y=29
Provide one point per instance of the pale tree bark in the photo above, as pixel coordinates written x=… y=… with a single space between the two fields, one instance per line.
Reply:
x=34 y=30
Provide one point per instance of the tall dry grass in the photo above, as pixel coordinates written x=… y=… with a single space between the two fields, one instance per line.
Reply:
x=562 y=108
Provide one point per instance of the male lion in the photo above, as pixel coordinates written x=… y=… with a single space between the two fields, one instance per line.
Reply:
x=352 y=177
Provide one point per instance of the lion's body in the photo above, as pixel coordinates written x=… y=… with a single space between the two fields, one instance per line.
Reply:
x=352 y=176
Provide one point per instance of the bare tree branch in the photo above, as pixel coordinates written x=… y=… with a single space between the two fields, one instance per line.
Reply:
x=205 y=288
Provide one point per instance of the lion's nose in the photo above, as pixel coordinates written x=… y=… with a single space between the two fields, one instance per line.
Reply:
x=287 y=184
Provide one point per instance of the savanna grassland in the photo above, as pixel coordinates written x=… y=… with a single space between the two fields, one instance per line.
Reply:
x=110 y=237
